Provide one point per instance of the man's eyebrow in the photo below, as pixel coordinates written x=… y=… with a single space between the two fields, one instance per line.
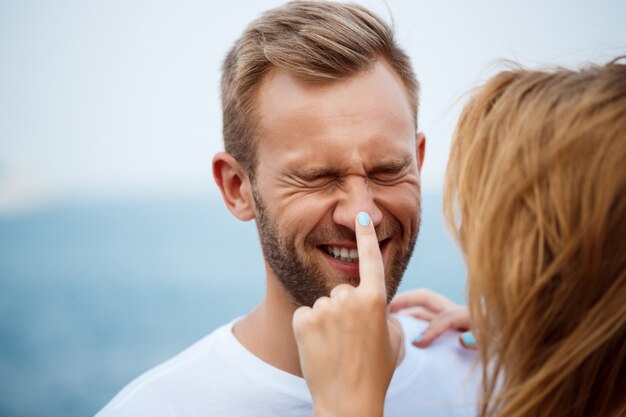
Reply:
x=311 y=173
x=391 y=165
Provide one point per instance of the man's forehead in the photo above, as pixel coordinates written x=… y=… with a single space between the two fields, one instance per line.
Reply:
x=282 y=97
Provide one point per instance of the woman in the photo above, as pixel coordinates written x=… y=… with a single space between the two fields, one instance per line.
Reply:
x=536 y=195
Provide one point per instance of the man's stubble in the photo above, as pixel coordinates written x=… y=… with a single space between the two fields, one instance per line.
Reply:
x=303 y=278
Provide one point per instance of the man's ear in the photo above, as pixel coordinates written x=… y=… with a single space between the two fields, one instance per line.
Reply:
x=420 y=142
x=235 y=186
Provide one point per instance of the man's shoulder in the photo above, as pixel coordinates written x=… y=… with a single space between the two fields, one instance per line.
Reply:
x=154 y=393
x=442 y=379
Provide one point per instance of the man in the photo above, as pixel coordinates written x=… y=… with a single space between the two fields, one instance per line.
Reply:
x=320 y=121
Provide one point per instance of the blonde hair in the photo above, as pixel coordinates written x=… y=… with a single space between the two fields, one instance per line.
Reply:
x=536 y=195
x=318 y=41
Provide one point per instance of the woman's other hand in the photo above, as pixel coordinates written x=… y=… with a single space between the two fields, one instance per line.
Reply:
x=441 y=313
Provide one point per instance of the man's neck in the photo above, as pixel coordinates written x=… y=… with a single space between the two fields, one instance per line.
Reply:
x=267 y=331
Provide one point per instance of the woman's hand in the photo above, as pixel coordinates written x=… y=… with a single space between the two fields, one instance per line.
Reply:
x=441 y=312
x=348 y=346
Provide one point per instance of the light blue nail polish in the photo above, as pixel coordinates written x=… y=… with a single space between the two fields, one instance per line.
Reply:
x=418 y=337
x=468 y=339
x=363 y=218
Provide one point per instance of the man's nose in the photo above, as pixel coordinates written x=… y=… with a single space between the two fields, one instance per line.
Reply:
x=355 y=196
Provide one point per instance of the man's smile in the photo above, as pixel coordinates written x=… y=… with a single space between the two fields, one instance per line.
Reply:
x=341 y=253
x=344 y=256
x=347 y=252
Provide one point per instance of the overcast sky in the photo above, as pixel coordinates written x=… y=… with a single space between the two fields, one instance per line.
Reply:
x=118 y=98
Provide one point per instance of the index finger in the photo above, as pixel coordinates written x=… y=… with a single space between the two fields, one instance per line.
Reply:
x=371 y=269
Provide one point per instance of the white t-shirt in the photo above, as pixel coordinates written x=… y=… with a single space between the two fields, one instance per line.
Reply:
x=217 y=376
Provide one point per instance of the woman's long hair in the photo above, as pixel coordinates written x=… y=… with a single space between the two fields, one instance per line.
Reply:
x=536 y=196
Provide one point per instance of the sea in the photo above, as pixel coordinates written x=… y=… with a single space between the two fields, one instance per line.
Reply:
x=92 y=294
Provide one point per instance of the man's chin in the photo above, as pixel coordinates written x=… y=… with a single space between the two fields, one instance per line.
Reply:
x=350 y=280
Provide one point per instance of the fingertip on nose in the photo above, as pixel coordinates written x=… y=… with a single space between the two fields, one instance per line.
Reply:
x=346 y=218
x=363 y=218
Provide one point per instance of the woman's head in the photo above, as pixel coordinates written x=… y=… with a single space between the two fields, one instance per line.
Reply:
x=536 y=194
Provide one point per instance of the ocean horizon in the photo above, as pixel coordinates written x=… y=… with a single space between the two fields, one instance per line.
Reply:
x=94 y=294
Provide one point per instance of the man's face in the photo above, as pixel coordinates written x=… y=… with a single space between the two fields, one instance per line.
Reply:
x=327 y=151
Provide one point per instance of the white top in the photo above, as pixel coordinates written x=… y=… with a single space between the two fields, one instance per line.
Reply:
x=217 y=376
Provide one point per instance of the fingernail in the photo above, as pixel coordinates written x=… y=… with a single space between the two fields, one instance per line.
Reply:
x=468 y=339
x=363 y=218
x=418 y=338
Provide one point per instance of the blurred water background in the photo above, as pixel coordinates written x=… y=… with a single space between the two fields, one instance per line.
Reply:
x=93 y=294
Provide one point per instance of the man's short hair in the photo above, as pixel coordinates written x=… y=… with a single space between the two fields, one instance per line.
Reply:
x=318 y=41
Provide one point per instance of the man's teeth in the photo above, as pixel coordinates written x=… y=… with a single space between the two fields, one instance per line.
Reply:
x=343 y=254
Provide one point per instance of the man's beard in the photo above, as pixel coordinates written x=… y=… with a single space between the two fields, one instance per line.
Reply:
x=302 y=277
